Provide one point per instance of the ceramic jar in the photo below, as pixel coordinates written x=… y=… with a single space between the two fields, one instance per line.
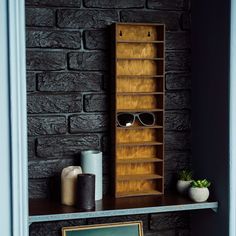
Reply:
x=199 y=194
x=183 y=186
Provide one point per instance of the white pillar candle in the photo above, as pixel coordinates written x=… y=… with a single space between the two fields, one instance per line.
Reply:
x=91 y=162
x=69 y=184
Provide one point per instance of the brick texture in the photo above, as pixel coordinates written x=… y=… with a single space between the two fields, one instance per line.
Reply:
x=46 y=125
x=169 y=220
x=177 y=40
x=114 y=3
x=167 y=4
x=47 y=168
x=59 y=3
x=177 y=140
x=178 y=81
x=88 y=123
x=175 y=161
x=62 y=146
x=45 y=60
x=178 y=100
x=40 y=17
x=177 y=120
x=52 y=39
x=70 y=82
x=88 y=61
x=38 y=188
x=68 y=86
x=54 y=103
x=171 y=19
x=30 y=81
x=178 y=61
x=96 y=39
x=73 y=18
x=95 y=102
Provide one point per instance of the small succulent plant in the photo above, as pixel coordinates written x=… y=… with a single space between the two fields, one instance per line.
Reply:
x=201 y=183
x=186 y=175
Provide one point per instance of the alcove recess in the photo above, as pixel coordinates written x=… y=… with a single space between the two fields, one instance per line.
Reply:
x=139 y=87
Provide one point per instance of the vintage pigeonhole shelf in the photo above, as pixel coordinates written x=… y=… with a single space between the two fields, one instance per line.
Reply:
x=43 y=210
x=139 y=71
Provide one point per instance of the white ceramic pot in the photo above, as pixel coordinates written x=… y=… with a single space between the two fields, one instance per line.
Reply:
x=199 y=194
x=183 y=186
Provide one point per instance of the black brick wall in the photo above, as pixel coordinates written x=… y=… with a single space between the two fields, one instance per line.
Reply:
x=68 y=51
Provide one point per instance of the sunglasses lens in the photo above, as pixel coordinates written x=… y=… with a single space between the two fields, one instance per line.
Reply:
x=147 y=118
x=125 y=119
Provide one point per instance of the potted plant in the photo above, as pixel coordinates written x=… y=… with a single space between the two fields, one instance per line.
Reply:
x=184 y=181
x=199 y=191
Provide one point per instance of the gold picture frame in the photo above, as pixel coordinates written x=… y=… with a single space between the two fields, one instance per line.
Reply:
x=133 y=228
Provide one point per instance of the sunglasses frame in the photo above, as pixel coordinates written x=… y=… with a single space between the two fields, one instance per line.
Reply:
x=136 y=115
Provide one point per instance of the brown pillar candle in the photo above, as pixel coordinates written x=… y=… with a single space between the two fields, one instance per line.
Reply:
x=86 y=191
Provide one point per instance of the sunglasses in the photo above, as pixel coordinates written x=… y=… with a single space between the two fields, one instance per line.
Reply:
x=128 y=119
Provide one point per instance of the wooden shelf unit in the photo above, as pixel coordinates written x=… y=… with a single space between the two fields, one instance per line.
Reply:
x=139 y=52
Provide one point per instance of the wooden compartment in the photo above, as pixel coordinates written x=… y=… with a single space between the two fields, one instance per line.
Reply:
x=139 y=50
x=139 y=135
x=140 y=187
x=139 y=67
x=143 y=102
x=139 y=84
x=139 y=88
x=139 y=153
x=135 y=32
x=145 y=168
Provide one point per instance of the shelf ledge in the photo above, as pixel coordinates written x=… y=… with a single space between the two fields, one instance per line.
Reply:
x=42 y=210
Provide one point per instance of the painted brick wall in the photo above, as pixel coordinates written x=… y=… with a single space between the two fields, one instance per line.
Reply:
x=68 y=76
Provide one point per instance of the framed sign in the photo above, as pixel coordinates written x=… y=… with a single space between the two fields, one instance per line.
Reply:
x=114 y=229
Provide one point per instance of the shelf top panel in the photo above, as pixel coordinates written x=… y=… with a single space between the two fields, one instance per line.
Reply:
x=42 y=210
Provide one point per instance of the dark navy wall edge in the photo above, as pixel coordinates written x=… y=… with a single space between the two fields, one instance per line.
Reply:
x=210 y=109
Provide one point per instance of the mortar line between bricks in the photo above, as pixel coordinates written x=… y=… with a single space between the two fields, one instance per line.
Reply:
x=67 y=93
x=114 y=9
x=62 y=114
x=47 y=28
x=72 y=135
x=71 y=70
x=64 y=50
x=67 y=115
x=36 y=72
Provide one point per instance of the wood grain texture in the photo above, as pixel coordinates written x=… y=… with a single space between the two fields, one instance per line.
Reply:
x=144 y=135
x=140 y=102
x=138 y=32
x=139 y=67
x=139 y=86
x=139 y=168
x=136 y=187
x=136 y=84
x=138 y=152
x=139 y=50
